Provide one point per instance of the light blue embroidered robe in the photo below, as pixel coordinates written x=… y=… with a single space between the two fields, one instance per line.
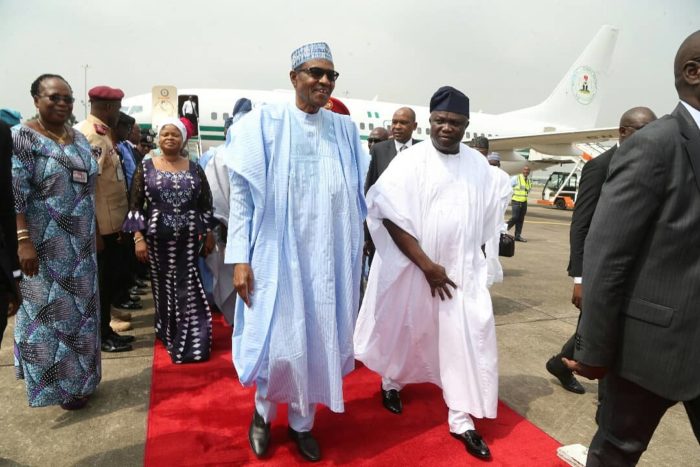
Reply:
x=297 y=208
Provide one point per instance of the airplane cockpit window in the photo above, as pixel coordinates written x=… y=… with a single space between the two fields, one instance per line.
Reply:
x=225 y=116
x=213 y=115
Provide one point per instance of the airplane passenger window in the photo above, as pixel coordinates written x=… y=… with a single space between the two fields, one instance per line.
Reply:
x=420 y=130
x=466 y=135
x=213 y=115
x=371 y=126
x=362 y=125
x=225 y=116
x=427 y=131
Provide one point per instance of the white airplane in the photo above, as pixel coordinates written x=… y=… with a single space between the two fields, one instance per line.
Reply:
x=558 y=129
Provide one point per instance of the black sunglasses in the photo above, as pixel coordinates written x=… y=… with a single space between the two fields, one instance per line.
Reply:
x=374 y=140
x=317 y=73
x=56 y=98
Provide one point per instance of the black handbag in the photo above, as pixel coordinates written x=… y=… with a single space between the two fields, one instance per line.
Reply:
x=506 y=245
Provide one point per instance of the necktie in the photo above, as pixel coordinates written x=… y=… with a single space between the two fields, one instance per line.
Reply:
x=402 y=148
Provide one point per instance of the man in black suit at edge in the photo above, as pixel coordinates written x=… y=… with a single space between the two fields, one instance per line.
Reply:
x=403 y=124
x=10 y=297
x=592 y=178
x=640 y=324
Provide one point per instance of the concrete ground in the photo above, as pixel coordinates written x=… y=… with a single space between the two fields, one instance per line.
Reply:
x=534 y=317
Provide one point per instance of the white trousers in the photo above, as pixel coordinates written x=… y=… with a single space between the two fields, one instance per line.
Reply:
x=459 y=422
x=268 y=411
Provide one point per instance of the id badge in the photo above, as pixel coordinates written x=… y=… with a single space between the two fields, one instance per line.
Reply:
x=80 y=176
x=120 y=173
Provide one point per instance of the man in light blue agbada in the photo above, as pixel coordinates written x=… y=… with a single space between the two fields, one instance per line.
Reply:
x=295 y=239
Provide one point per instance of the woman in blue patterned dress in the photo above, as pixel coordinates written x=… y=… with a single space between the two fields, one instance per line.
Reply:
x=57 y=349
x=178 y=214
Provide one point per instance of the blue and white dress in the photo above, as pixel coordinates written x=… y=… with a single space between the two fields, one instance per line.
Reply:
x=57 y=345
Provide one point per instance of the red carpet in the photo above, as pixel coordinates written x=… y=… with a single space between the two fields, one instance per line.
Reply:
x=199 y=415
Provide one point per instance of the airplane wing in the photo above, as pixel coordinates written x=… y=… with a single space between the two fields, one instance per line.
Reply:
x=552 y=139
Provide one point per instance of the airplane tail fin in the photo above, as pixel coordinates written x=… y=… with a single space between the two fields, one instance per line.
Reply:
x=575 y=102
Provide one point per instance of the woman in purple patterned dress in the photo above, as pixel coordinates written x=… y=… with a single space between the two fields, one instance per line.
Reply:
x=167 y=233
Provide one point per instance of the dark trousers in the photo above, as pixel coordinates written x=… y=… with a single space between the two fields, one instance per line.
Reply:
x=110 y=269
x=518 y=210
x=629 y=414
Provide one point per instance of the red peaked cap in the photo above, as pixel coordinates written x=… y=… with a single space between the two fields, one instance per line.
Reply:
x=105 y=93
x=188 y=126
x=337 y=106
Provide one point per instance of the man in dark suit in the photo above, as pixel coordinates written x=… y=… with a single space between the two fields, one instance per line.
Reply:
x=403 y=124
x=640 y=324
x=10 y=297
x=592 y=178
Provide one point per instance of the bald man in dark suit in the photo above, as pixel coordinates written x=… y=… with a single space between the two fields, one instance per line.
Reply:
x=593 y=176
x=640 y=324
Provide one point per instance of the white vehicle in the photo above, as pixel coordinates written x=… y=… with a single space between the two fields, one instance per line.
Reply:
x=555 y=128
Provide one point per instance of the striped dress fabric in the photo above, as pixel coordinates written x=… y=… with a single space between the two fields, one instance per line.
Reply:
x=303 y=241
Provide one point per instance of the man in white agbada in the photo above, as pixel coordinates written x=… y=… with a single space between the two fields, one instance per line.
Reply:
x=426 y=314
x=295 y=239
x=223 y=293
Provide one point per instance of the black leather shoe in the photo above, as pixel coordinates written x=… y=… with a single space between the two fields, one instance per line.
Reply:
x=307 y=444
x=128 y=305
x=122 y=338
x=111 y=344
x=475 y=445
x=392 y=400
x=259 y=435
x=140 y=283
x=134 y=298
x=137 y=291
x=520 y=239
x=566 y=378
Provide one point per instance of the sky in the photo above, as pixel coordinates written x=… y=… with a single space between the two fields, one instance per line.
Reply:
x=504 y=54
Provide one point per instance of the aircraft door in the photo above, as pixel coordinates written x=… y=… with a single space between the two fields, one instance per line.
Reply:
x=188 y=107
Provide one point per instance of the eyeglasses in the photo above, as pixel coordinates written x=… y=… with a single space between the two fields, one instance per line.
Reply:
x=56 y=98
x=317 y=73
x=374 y=140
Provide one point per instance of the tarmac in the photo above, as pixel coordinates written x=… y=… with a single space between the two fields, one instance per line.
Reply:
x=534 y=317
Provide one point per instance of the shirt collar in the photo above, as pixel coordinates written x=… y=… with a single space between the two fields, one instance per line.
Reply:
x=695 y=113
x=408 y=144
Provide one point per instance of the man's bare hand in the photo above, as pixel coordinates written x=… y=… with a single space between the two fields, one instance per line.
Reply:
x=243 y=281
x=438 y=281
x=577 y=295
x=590 y=372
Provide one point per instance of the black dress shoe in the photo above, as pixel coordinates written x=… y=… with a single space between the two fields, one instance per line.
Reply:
x=520 y=239
x=392 y=401
x=135 y=290
x=567 y=379
x=128 y=305
x=122 y=338
x=475 y=445
x=134 y=298
x=111 y=344
x=259 y=435
x=307 y=444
